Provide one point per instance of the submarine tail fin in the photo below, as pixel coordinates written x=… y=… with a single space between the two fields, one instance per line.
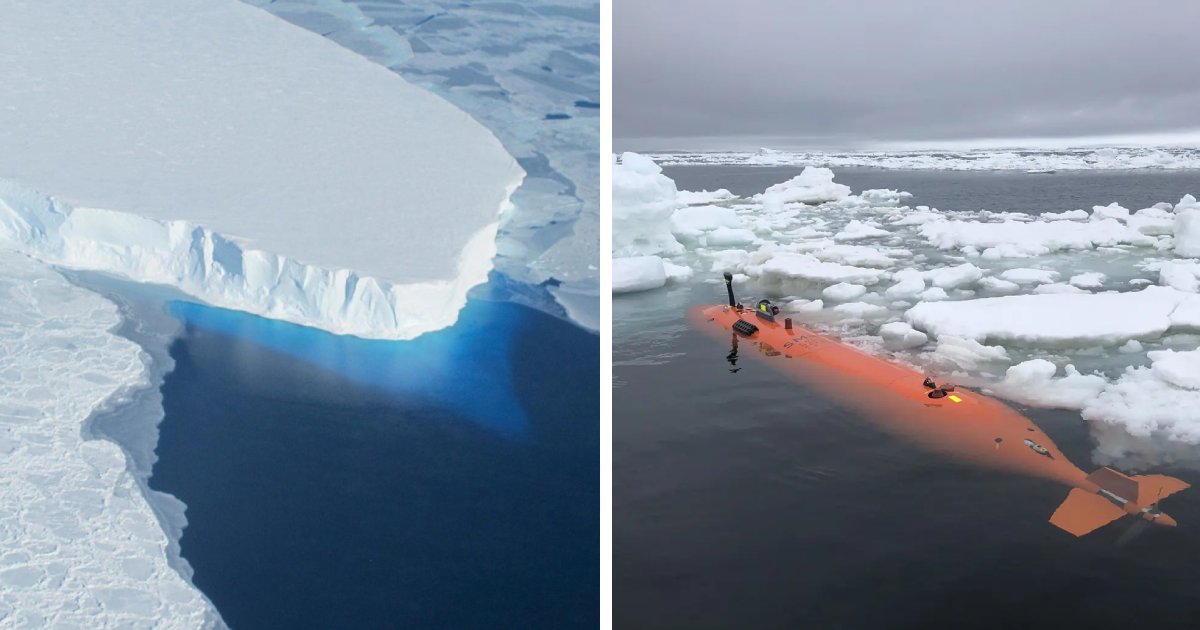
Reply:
x=1084 y=512
x=1152 y=488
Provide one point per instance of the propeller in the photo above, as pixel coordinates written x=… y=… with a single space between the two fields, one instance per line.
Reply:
x=1140 y=525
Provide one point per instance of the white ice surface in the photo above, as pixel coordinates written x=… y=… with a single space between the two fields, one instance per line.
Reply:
x=695 y=221
x=699 y=197
x=643 y=201
x=342 y=196
x=844 y=292
x=1019 y=239
x=811 y=186
x=1054 y=319
x=638 y=273
x=1034 y=382
x=1038 y=160
x=80 y=547
x=899 y=335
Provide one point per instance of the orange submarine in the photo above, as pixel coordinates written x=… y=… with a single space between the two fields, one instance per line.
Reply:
x=943 y=418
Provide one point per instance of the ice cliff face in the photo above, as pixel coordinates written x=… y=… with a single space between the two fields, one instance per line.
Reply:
x=223 y=272
x=217 y=148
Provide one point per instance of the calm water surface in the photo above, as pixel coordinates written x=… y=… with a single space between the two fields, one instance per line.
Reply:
x=332 y=482
x=744 y=499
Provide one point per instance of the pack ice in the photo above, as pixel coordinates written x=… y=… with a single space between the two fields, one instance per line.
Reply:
x=1096 y=311
x=80 y=547
x=1035 y=158
x=254 y=165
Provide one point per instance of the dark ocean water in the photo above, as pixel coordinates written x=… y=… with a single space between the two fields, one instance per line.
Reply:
x=748 y=500
x=332 y=482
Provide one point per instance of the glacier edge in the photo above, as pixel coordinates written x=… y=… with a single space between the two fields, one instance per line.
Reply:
x=224 y=271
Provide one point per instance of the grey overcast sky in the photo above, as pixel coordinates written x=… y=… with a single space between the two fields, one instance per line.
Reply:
x=738 y=74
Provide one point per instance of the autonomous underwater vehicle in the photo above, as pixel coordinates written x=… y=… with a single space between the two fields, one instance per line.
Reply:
x=944 y=418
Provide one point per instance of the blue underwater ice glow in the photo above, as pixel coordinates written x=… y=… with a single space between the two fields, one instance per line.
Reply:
x=464 y=369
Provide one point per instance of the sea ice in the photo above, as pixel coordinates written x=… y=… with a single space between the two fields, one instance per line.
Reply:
x=643 y=201
x=725 y=237
x=954 y=277
x=1019 y=239
x=899 y=335
x=1030 y=159
x=857 y=230
x=1046 y=310
x=82 y=547
x=1053 y=319
x=694 y=221
x=813 y=185
x=965 y=354
x=910 y=283
x=700 y=197
x=638 y=273
x=844 y=292
x=1156 y=400
x=1187 y=231
x=1025 y=275
x=1033 y=383
x=1088 y=280
x=860 y=310
x=786 y=266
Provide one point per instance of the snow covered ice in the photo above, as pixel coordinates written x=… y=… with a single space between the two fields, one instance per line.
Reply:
x=1095 y=310
x=81 y=546
x=1029 y=159
x=268 y=170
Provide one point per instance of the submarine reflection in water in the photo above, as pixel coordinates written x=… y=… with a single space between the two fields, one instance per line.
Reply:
x=957 y=422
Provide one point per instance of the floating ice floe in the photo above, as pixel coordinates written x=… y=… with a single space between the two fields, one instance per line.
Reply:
x=785 y=266
x=1187 y=227
x=844 y=292
x=857 y=230
x=899 y=336
x=700 y=197
x=1159 y=399
x=1015 y=239
x=1025 y=275
x=643 y=202
x=642 y=273
x=1053 y=320
x=1034 y=383
x=812 y=186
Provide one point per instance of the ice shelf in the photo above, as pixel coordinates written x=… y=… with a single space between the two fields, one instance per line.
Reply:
x=255 y=165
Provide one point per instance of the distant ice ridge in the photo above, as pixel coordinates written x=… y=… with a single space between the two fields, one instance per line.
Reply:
x=267 y=170
x=1093 y=310
x=81 y=546
x=530 y=72
x=1036 y=160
